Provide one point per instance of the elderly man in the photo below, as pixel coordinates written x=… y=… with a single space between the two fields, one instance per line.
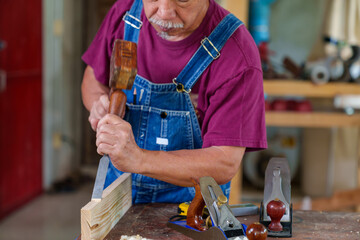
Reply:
x=199 y=102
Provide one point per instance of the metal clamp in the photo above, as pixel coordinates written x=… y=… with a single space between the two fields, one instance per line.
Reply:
x=180 y=87
x=217 y=51
x=130 y=23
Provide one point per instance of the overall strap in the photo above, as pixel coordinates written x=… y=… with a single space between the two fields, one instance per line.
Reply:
x=207 y=52
x=133 y=22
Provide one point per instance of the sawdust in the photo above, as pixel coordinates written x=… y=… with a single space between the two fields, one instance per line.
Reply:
x=137 y=237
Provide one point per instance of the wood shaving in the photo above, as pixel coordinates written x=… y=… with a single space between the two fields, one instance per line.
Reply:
x=137 y=237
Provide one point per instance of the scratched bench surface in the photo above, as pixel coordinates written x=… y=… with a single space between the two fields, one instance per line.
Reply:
x=150 y=220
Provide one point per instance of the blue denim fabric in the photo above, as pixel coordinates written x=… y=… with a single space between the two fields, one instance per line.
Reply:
x=164 y=119
x=214 y=43
x=131 y=32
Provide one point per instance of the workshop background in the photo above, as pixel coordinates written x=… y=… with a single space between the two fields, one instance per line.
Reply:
x=310 y=52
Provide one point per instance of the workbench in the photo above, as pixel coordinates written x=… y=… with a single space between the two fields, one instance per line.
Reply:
x=149 y=221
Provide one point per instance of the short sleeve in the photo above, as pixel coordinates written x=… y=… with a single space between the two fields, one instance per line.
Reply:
x=236 y=114
x=99 y=52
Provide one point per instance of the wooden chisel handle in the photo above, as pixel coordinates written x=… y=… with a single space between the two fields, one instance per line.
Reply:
x=117 y=102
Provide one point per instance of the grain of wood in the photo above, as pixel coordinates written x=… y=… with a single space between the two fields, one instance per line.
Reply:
x=98 y=218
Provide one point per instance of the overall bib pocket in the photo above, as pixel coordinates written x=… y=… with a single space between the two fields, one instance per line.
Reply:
x=158 y=129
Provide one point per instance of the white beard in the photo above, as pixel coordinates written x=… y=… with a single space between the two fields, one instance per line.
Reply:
x=164 y=35
x=165 y=24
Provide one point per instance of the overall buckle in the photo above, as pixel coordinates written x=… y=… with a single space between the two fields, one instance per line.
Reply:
x=138 y=21
x=208 y=51
x=180 y=87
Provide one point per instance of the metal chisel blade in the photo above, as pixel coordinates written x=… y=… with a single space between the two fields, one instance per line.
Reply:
x=100 y=178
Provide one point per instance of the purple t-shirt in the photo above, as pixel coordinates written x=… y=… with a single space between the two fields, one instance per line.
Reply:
x=230 y=91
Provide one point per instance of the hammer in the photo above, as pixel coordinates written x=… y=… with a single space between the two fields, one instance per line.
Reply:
x=123 y=69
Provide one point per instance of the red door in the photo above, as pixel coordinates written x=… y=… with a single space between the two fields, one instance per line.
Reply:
x=20 y=103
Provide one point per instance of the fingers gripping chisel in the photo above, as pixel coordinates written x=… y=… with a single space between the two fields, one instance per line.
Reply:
x=123 y=69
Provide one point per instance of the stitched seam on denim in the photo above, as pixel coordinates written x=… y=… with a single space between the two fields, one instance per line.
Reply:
x=163 y=133
x=217 y=34
x=159 y=110
x=218 y=43
x=131 y=33
x=191 y=137
x=156 y=88
x=196 y=125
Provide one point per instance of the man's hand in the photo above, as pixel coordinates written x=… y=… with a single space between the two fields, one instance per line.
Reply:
x=114 y=137
x=98 y=110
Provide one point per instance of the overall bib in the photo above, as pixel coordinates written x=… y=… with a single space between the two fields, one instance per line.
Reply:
x=163 y=118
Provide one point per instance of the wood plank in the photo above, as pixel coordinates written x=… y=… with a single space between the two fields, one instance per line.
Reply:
x=308 y=89
x=312 y=119
x=98 y=218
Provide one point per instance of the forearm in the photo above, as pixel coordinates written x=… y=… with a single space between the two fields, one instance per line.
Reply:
x=179 y=167
x=91 y=88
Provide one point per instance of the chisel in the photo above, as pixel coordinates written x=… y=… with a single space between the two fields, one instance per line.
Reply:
x=123 y=69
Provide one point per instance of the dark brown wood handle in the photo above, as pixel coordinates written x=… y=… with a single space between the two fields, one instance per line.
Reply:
x=117 y=102
x=194 y=214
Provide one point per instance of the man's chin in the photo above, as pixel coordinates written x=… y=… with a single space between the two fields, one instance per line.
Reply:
x=166 y=36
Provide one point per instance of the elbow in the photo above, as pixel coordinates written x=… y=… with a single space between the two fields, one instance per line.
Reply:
x=229 y=169
x=231 y=164
x=228 y=173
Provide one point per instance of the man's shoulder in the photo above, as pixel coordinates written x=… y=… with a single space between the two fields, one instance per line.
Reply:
x=241 y=41
x=242 y=45
x=121 y=6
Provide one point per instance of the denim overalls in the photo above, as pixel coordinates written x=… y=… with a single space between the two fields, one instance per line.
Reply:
x=163 y=117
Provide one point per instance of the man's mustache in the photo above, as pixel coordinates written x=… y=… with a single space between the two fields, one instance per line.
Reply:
x=166 y=24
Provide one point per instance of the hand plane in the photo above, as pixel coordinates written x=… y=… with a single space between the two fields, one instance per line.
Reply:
x=221 y=224
x=276 y=208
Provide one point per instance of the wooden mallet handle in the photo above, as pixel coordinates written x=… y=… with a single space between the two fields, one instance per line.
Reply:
x=117 y=102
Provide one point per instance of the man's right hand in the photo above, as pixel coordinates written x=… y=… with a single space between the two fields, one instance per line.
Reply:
x=98 y=110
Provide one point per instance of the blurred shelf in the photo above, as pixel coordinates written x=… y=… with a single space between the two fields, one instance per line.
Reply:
x=311 y=119
x=306 y=88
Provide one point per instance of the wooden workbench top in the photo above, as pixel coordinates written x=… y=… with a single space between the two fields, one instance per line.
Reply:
x=149 y=221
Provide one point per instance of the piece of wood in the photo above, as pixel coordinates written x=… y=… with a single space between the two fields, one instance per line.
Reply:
x=308 y=89
x=98 y=218
x=311 y=119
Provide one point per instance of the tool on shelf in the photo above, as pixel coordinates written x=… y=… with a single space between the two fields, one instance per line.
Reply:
x=276 y=208
x=221 y=224
x=123 y=69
